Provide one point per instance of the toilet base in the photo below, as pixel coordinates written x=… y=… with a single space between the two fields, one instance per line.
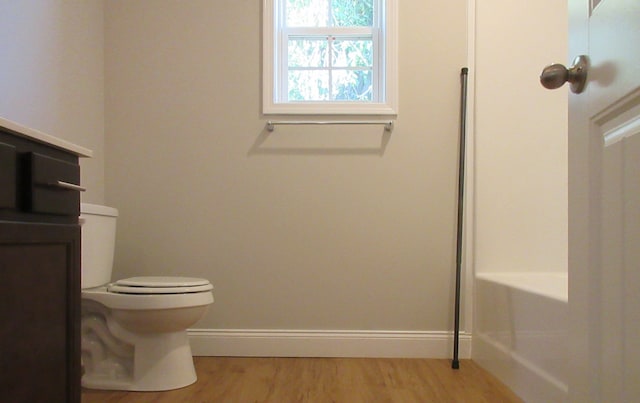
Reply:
x=122 y=360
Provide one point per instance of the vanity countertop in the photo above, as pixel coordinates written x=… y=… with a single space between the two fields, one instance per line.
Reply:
x=44 y=138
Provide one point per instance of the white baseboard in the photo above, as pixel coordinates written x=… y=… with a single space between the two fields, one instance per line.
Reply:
x=326 y=343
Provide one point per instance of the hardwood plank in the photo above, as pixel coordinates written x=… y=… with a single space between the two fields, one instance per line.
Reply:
x=353 y=380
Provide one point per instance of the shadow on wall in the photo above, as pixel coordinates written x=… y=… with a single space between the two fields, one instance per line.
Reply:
x=321 y=140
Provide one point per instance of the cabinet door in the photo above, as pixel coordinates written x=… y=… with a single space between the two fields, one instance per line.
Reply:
x=39 y=312
x=8 y=165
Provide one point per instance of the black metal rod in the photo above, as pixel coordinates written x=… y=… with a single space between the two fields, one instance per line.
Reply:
x=455 y=363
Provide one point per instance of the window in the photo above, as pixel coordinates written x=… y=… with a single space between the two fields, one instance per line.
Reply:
x=330 y=57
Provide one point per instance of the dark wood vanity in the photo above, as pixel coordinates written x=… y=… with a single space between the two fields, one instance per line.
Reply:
x=39 y=269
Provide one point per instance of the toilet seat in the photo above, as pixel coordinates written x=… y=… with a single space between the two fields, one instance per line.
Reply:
x=159 y=285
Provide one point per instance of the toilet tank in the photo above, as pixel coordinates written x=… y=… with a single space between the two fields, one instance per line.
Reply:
x=98 y=243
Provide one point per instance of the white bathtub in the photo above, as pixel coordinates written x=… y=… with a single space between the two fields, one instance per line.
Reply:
x=521 y=332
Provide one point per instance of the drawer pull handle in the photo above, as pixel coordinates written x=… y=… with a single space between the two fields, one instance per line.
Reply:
x=70 y=186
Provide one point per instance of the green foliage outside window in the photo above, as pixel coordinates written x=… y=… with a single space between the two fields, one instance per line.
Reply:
x=315 y=13
x=330 y=67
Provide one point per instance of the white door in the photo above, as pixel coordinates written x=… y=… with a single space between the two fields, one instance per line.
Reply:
x=604 y=204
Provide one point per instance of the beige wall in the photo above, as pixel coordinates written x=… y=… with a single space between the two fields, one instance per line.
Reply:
x=302 y=228
x=521 y=138
x=52 y=75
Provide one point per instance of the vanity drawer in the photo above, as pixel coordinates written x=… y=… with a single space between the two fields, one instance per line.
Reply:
x=52 y=185
x=8 y=161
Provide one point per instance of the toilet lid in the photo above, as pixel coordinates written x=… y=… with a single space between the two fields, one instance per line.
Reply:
x=160 y=285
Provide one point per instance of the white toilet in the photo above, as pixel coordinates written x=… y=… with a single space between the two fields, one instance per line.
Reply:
x=133 y=330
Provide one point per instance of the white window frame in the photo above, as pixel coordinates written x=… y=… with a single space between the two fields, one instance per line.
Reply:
x=386 y=73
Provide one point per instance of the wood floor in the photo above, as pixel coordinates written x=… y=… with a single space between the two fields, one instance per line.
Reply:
x=351 y=380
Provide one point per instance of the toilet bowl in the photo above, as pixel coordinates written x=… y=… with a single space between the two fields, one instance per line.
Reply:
x=134 y=330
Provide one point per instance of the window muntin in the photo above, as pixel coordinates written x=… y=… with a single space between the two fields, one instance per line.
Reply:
x=330 y=68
